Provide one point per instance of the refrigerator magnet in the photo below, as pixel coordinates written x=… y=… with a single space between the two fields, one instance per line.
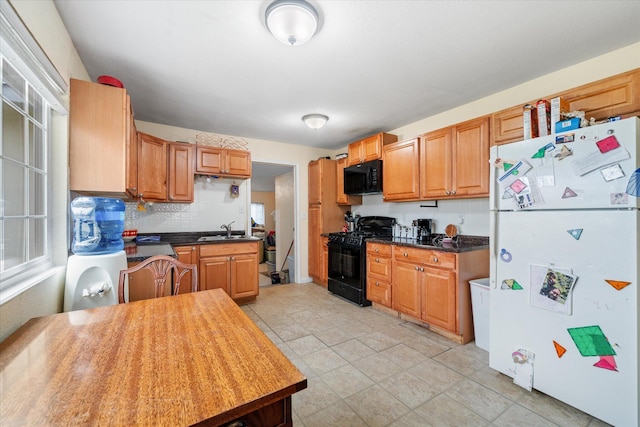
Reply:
x=633 y=186
x=591 y=341
x=617 y=284
x=505 y=255
x=567 y=137
x=511 y=284
x=619 y=199
x=569 y=193
x=518 y=186
x=612 y=172
x=565 y=152
x=607 y=362
x=560 y=350
x=607 y=144
x=575 y=233
x=543 y=150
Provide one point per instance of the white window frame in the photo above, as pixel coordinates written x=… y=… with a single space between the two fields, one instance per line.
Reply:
x=254 y=212
x=24 y=54
x=6 y=274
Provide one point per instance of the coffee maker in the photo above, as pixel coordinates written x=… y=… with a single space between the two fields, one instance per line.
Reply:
x=424 y=230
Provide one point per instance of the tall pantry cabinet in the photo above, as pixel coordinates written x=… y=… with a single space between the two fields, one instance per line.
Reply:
x=325 y=215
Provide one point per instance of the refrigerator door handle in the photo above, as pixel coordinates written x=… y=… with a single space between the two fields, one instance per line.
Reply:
x=493 y=224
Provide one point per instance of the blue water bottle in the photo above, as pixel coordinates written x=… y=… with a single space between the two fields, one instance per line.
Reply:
x=98 y=223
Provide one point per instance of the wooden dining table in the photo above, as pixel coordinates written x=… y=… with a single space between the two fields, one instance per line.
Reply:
x=190 y=359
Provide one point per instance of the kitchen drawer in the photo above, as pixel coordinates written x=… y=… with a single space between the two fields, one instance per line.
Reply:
x=379 y=265
x=382 y=249
x=218 y=249
x=425 y=257
x=379 y=291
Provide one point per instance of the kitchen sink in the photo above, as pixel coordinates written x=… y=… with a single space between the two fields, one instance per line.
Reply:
x=216 y=238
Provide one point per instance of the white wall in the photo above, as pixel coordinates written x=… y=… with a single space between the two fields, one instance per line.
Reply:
x=285 y=218
x=212 y=207
x=474 y=213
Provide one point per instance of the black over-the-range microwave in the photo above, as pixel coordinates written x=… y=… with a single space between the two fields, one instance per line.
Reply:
x=365 y=178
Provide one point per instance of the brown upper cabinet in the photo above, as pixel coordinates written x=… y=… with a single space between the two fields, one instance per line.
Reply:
x=108 y=157
x=152 y=168
x=447 y=163
x=401 y=171
x=181 y=172
x=165 y=170
x=341 y=198
x=102 y=141
x=614 y=96
x=369 y=148
x=223 y=162
x=454 y=162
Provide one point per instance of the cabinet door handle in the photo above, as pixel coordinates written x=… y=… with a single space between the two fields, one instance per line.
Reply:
x=405 y=254
x=453 y=191
x=417 y=268
x=377 y=259
x=421 y=268
x=435 y=259
x=193 y=248
x=377 y=284
x=377 y=249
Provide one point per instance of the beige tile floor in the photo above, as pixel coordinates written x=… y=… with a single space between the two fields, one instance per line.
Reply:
x=367 y=368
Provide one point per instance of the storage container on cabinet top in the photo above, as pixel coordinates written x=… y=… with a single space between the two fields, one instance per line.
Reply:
x=98 y=223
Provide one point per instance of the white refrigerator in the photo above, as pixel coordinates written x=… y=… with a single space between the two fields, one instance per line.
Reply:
x=564 y=267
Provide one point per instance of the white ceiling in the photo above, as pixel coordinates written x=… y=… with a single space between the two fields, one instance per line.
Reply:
x=373 y=66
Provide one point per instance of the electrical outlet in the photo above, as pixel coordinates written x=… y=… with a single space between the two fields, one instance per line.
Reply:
x=241 y=209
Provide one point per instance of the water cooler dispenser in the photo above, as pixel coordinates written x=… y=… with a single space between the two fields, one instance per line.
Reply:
x=94 y=269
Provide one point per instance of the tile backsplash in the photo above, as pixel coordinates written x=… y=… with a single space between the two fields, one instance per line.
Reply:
x=212 y=207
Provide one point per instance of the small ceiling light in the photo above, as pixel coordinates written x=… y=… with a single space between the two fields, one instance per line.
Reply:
x=315 y=121
x=292 y=22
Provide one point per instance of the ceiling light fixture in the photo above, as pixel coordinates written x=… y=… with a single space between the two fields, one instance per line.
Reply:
x=315 y=121
x=292 y=22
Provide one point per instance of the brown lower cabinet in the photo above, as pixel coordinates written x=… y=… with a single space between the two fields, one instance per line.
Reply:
x=232 y=267
x=427 y=286
x=379 y=274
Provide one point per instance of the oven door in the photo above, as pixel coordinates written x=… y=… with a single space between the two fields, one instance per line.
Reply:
x=345 y=264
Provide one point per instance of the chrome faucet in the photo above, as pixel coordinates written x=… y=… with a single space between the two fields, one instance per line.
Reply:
x=228 y=228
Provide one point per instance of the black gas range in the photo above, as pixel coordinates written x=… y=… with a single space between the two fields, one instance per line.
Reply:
x=348 y=261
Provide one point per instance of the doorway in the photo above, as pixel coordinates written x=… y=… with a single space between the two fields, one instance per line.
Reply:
x=273 y=202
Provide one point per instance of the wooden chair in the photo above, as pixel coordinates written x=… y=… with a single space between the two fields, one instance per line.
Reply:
x=161 y=266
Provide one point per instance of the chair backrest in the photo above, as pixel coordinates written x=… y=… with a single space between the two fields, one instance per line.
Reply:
x=161 y=267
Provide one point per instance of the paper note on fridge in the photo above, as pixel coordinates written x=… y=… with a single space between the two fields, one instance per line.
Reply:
x=511 y=175
x=600 y=156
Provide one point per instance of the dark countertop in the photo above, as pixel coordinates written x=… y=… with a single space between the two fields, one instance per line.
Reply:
x=461 y=243
x=138 y=251
x=143 y=251
x=191 y=237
